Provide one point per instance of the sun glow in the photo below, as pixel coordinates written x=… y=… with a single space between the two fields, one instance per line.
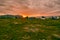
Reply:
x=24 y=16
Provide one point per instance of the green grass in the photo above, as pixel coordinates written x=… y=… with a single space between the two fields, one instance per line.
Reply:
x=25 y=29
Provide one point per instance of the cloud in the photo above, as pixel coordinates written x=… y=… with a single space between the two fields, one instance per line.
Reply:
x=30 y=7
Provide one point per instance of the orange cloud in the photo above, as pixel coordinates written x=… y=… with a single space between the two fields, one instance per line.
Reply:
x=30 y=7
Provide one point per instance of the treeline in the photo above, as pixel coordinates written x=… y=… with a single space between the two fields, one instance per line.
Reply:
x=10 y=16
x=20 y=17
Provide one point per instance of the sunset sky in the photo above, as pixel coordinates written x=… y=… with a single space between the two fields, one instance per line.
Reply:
x=30 y=7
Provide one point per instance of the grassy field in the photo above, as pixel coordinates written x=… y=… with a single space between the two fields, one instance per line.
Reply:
x=26 y=29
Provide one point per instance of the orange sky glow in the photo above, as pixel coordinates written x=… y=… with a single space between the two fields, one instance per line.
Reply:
x=30 y=7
